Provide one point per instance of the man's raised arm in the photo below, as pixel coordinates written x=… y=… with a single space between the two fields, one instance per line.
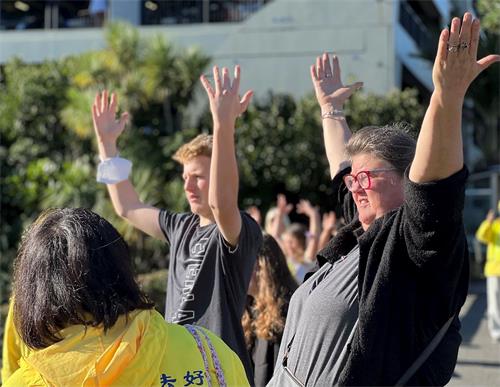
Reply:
x=114 y=171
x=226 y=106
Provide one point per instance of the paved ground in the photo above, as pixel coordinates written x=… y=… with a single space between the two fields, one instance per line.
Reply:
x=479 y=358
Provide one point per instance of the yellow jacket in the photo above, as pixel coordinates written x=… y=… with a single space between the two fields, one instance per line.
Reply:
x=143 y=351
x=489 y=233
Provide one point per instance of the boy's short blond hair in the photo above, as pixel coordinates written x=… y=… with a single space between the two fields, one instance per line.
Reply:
x=201 y=145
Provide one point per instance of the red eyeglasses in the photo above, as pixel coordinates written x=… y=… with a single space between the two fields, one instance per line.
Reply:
x=363 y=178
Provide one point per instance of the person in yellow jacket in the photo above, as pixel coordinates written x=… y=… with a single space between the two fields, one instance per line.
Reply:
x=78 y=317
x=489 y=233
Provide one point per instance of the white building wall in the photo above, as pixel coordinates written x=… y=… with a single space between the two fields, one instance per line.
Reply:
x=275 y=46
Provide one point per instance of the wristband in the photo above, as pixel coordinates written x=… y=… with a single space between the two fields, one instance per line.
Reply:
x=333 y=113
x=113 y=170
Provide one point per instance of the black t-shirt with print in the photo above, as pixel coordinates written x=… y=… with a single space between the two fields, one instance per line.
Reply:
x=208 y=280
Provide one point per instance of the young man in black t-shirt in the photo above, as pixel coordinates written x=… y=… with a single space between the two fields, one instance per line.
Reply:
x=213 y=248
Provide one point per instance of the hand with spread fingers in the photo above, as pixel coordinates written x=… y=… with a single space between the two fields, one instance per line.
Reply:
x=331 y=93
x=106 y=126
x=305 y=207
x=225 y=102
x=456 y=64
x=439 y=151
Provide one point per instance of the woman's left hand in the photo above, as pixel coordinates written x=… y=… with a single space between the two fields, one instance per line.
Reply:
x=456 y=64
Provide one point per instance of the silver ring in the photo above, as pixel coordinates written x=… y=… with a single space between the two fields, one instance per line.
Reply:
x=328 y=75
x=464 y=45
x=453 y=47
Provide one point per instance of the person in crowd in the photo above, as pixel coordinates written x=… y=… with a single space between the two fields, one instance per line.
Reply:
x=78 y=317
x=213 y=248
x=255 y=213
x=270 y=290
x=489 y=233
x=277 y=219
x=300 y=245
x=395 y=277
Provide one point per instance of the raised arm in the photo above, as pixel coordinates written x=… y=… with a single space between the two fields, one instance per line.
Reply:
x=125 y=200
x=327 y=228
x=225 y=106
x=283 y=208
x=277 y=225
x=331 y=95
x=439 y=151
x=305 y=207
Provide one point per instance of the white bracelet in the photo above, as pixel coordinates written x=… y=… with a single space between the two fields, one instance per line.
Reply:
x=333 y=113
x=113 y=170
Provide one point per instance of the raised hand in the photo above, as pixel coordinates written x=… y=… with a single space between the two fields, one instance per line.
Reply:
x=255 y=213
x=106 y=126
x=456 y=64
x=305 y=207
x=329 y=221
x=283 y=207
x=328 y=86
x=490 y=217
x=225 y=102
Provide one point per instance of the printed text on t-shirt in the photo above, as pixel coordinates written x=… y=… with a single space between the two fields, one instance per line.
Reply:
x=193 y=264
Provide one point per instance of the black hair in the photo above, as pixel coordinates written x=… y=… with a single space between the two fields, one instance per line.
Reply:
x=72 y=267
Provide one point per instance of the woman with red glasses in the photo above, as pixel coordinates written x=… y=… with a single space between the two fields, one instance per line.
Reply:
x=383 y=307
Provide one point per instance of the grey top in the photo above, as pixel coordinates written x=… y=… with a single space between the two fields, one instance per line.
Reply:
x=208 y=280
x=321 y=316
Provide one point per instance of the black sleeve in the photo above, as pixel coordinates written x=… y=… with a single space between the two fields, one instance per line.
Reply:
x=169 y=223
x=432 y=223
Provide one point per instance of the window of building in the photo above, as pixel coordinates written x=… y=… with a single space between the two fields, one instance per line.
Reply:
x=155 y=12
x=29 y=14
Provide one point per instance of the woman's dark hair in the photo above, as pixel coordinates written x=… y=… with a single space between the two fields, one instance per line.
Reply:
x=72 y=267
x=275 y=285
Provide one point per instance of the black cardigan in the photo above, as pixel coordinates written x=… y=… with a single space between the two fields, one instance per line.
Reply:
x=413 y=276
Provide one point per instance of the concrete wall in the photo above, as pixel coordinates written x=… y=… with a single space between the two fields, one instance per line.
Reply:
x=277 y=45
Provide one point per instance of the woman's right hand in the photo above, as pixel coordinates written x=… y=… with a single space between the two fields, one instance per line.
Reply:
x=330 y=92
x=106 y=126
